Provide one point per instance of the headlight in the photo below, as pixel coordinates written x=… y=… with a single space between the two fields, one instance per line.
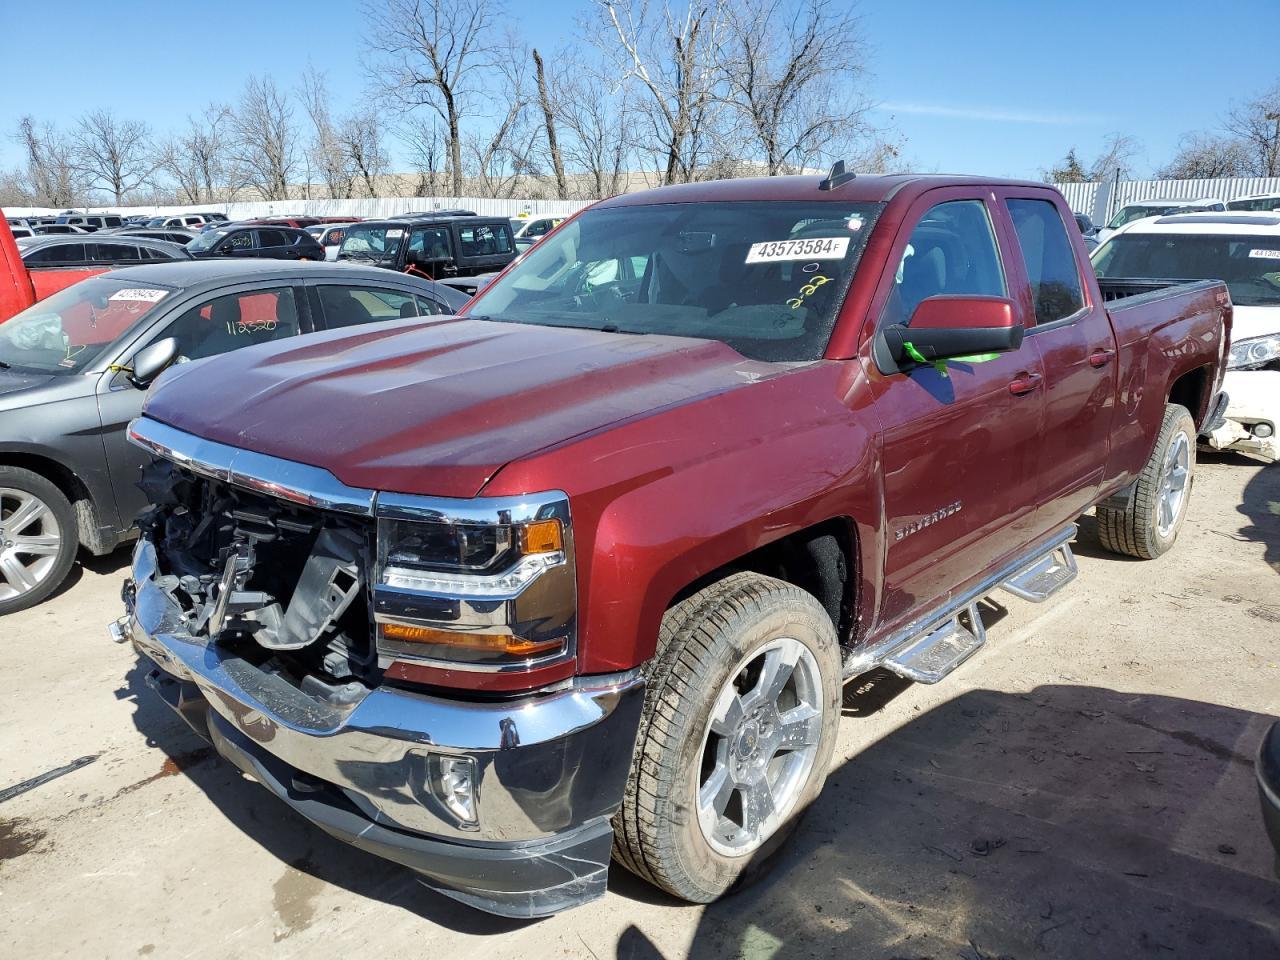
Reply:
x=485 y=584
x=1254 y=352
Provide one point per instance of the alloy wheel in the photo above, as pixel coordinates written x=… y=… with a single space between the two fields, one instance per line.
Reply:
x=1175 y=479
x=30 y=541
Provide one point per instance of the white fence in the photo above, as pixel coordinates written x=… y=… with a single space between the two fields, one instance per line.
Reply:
x=1101 y=200
x=368 y=208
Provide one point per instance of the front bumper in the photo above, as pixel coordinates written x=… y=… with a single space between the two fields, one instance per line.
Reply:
x=1268 y=769
x=549 y=770
x=1255 y=400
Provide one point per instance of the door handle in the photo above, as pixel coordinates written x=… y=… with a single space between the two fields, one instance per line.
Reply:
x=1024 y=384
x=1100 y=358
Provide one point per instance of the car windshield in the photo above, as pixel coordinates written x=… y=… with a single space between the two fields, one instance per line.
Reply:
x=68 y=331
x=1257 y=204
x=371 y=242
x=1249 y=265
x=1137 y=212
x=767 y=278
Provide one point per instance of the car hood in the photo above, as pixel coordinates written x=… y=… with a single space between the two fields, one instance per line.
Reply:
x=16 y=388
x=437 y=407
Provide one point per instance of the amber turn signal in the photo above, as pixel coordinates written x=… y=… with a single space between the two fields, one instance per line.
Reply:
x=492 y=642
x=542 y=536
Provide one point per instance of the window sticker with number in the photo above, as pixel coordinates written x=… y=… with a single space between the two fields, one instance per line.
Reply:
x=815 y=248
x=141 y=294
x=1265 y=254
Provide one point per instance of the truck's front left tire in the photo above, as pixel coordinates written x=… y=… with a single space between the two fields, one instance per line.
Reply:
x=736 y=739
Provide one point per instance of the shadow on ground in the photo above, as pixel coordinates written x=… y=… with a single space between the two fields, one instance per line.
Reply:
x=1068 y=822
x=1261 y=507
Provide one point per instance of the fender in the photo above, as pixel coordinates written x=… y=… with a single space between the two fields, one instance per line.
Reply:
x=661 y=501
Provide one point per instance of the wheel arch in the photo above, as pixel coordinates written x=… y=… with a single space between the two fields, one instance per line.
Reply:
x=92 y=534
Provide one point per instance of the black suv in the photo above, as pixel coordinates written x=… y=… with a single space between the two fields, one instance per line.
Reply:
x=435 y=247
x=246 y=240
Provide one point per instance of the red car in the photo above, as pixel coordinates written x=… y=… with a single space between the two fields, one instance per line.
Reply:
x=582 y=571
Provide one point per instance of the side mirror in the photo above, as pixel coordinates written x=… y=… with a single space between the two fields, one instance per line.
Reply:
x=151 y=361
x=948 y=328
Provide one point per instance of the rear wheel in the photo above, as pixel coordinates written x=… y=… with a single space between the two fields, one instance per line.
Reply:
x=1148 y=525
x=38 y=538
x=739 y=726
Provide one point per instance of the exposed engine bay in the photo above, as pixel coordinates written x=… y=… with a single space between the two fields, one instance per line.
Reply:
x=284 y=585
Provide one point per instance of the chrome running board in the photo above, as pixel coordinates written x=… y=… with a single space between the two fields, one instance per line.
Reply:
x=931 y=646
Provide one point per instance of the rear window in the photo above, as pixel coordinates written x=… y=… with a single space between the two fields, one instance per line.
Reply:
x=486 y=240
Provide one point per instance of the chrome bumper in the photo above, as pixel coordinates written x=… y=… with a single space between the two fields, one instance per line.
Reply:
x=549 y=770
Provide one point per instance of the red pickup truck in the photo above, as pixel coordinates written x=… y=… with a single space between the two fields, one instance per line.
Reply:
x=20 y=287
x=581 y=572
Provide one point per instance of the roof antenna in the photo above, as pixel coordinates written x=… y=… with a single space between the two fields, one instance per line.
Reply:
x=836 y=177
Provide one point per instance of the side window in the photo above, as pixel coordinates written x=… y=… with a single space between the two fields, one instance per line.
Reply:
x=239 y=241
x=350 y=306
x=334 y=237
x=1050 y=260
x=115 y=252
x=235 y=320
x=273 y=238
x=60 y=253
x=538 y=228
x=951 y=252
x=431 y=308
x=485 y=241
x=432 y=241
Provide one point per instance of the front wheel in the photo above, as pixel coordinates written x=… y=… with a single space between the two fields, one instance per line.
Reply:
x=736 y=739
x=1148 y=525
x=38 y=539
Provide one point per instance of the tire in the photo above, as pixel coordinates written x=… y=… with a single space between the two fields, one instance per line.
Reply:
x=47 y=525
x=1147 y=526
x=707 y=640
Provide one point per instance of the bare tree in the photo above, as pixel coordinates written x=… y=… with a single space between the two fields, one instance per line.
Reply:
x=1256 y=124
x=360 y=137
x=421 y=138
x=501 y=157
x=436 y=52
x=264 y=140
x=1204 y=156
x=672 y=55
x=197 y=158
x=1116 y=159
x=326 y=151
x=53 y=177
x=597 y=121
x=792 y=71
x=549 y=121
x=114 y=155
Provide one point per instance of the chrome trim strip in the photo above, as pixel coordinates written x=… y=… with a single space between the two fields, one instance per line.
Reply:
x=296 y=482
x=873 y=655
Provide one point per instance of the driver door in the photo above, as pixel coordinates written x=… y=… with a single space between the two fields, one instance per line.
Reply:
x=959 y=448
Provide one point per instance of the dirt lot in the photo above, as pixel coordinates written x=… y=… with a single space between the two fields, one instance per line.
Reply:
x=1081 y=788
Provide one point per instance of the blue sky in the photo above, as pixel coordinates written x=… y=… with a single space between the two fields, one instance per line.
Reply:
x=999 y=87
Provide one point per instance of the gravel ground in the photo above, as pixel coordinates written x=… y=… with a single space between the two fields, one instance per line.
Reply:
x=1081 y=788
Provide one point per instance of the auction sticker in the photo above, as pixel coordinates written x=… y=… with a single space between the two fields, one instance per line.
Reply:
x=141 y=294
x=816 y=248
x=1265 y=254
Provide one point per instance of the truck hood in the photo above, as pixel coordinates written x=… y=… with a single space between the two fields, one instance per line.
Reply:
x=437 y=407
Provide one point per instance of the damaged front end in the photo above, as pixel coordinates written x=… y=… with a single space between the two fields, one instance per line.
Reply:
x=280 y=583
x=252 y=598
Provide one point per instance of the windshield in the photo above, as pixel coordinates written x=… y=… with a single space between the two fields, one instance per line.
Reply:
x=1137 y=212
x=206 y=240
x=1249 y=265
x=70 y=330
x=1257 y=204
x=375 y=242
x=767 y=278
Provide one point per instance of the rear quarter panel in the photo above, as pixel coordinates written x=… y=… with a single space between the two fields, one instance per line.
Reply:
x=1162 y=337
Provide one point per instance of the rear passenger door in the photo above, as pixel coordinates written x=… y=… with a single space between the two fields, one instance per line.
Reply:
x=339 y=305
x=1077 y=349
x=275 y=244
x=959 y=449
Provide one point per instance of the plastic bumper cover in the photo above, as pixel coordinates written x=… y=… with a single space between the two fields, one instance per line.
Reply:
x=1254 y=403
x=549 y=770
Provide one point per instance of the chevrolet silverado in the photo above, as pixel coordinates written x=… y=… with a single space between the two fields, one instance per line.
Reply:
x=581 y=572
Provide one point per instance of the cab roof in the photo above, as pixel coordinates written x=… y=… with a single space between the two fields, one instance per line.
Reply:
x=1233 y=222
x=860 y=189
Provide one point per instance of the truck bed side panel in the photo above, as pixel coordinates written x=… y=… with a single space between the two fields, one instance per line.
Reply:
x=1162 y=337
